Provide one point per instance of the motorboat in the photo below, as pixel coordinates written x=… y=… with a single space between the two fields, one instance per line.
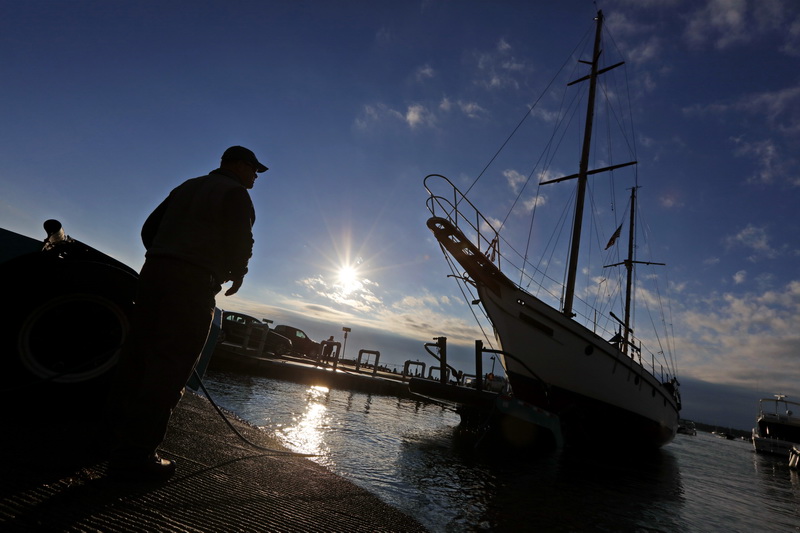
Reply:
x=777 y=426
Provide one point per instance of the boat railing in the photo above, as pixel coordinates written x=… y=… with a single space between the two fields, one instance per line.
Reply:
x=475 y=227
x=775 y=404
x=459 y=211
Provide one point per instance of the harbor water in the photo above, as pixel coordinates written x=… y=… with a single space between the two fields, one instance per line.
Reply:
x=408 y=454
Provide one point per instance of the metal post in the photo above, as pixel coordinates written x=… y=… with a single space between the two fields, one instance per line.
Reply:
x=479 y=365
x=336 y=361
x=442 y=343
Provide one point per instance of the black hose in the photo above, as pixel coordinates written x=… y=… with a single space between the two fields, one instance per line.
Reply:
x=253 y=444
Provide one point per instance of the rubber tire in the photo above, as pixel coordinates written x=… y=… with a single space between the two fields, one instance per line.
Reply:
x=65 y=320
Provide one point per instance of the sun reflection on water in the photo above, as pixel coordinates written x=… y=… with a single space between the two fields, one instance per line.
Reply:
x=306 y=433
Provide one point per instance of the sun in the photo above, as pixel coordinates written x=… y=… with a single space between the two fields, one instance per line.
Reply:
x=348 y=279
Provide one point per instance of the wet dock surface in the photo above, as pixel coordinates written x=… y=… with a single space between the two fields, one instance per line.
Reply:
x=54 y=479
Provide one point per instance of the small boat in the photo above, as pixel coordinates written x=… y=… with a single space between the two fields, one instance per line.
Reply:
x=687 y=427
x=560 y=353
x=777 y=428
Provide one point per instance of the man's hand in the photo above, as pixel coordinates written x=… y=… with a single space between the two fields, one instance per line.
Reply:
x=237 y=284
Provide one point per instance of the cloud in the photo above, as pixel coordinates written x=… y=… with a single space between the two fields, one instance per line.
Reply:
x=417 y=115
x=425 y=72
x=781 y=111
x=779 y=107
x=744 y=339
x=720 y=21
x=645 y=52
x=372 y=114
x=471 y=109
x=622 y=26
x=766 y=154
x=498 y=68
x=366 y=304
x=670 y=200
x=355 y=294
x=740 y=277
x=533 y=201
x=792 y=45
x=546 y=115
x=724 y=24
x=755 y=239
x=515 y=180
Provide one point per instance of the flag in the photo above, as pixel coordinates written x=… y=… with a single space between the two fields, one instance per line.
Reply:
x=614 y=237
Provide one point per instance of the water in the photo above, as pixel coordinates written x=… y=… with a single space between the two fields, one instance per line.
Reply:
x=405 y=452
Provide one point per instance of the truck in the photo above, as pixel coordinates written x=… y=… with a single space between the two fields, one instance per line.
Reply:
x=239 y=327
x=302 y=345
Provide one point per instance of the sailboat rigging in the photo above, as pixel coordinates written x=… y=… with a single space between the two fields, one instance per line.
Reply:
x=556 y=362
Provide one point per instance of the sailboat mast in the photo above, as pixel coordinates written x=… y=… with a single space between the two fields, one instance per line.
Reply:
x=582 y=173
x=629 y=267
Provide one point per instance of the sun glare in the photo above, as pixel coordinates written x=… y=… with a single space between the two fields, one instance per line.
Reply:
x=348 y=279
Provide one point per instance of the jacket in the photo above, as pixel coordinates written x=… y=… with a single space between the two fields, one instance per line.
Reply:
x=205 y=221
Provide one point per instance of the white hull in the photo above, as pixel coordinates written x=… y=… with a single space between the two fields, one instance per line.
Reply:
x=587 y=375
x=773 y=446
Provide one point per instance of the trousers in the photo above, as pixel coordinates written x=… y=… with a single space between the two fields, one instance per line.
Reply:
x=172 y=318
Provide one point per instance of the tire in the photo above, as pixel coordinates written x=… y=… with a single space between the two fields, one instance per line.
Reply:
x=67 y=320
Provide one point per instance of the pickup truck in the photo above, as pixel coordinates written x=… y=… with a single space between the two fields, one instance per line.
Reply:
x=238 y=326
x=302 y=345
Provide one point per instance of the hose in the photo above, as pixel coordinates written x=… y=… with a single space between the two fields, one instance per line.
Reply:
x=238 y=433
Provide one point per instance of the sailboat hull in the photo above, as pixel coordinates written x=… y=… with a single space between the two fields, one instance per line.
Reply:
x=563 y=367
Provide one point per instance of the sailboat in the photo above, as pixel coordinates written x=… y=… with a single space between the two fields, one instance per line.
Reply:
x=600 y=386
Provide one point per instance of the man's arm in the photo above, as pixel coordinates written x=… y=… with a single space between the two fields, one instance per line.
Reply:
x=238 y=217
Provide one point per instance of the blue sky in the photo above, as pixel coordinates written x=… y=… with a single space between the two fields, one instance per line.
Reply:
x=109 y=105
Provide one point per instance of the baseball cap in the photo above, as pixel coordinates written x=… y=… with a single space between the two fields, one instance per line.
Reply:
x=240 y=153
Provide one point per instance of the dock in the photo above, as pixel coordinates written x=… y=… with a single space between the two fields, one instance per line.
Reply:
x=306 y=371
x=55 y=480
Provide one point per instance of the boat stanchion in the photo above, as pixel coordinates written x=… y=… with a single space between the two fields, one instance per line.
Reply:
x=332 y=355
x=407 y=369
x=377 y=355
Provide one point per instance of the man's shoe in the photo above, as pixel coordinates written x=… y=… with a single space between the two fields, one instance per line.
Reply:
x=151 y=468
